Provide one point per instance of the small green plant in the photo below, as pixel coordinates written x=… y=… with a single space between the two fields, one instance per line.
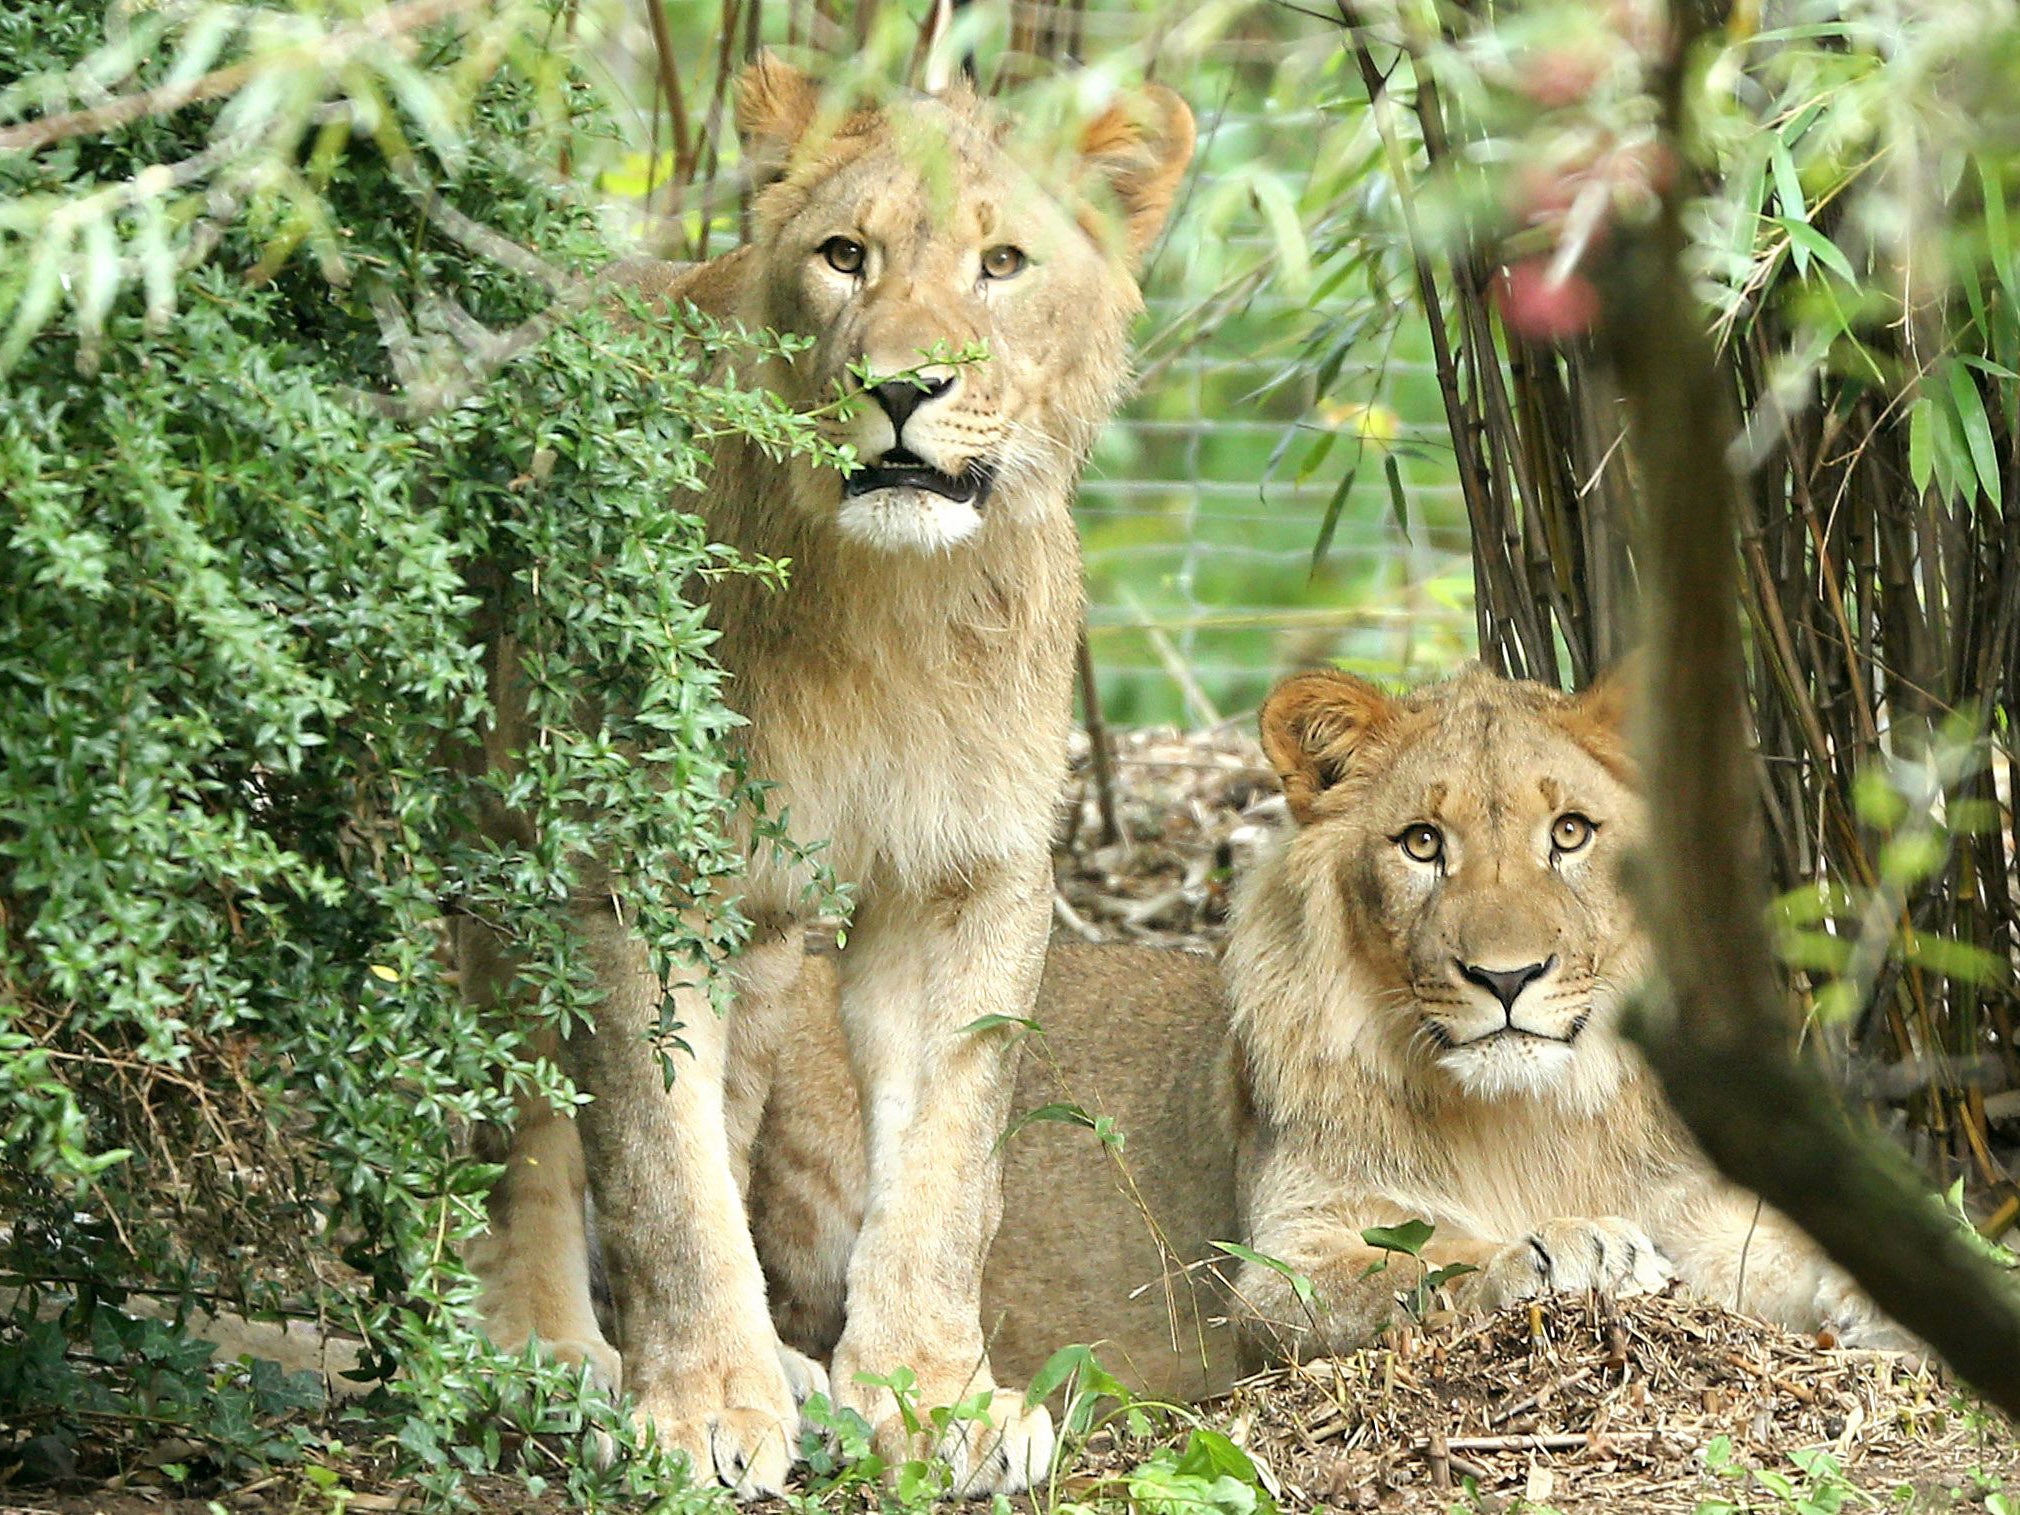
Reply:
x=1210 y=1475
x=1087 y=1385
x=1410 y=1239
x=918 y=1481
x=836 y=1447
x=243 y=1417
x=1822 y=1488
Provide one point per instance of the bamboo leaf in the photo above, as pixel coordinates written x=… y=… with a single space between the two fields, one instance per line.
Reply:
x=993 y=1022
x=1998 y=235
x=202 y=41
x=1789 y=192
x=1954 y=959
x=95 y=286
x=1316 y=454
x=1806 y=237
x=38 y=298
x=157 y=262
x=1398 y=502
x=1300 y=1285
x=427 y=108
x=1273 y=198
x=1921 y=444
x=1977 y=430
x=1331 y=519
x=1060 y=1114
x=1748 y=184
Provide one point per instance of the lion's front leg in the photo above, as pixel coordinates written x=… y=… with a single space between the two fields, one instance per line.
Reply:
x=699 y=1352
x=533 y=1258
x=918 y=974
x=1341 y=1292
x=1739 y=1252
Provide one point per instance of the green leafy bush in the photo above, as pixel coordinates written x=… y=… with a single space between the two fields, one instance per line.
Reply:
x=315 y=403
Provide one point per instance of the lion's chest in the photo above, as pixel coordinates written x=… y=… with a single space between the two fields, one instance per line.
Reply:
x=911 y=757
x=1515 y=1166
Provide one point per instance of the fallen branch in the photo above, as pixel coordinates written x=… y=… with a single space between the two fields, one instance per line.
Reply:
x=1570 y=1441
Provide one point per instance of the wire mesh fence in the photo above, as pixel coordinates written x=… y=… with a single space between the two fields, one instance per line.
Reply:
x=1208 y=499
x=1203 y=510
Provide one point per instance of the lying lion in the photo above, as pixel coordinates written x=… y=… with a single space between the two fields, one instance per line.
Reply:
x=1423 y=983
x=908 y=695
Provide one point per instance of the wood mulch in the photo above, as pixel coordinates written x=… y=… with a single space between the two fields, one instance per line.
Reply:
x=1584 y=1403
x=1192 y=811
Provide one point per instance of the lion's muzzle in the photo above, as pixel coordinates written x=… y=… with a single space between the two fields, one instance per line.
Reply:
x=902 y=468
x=899 y=469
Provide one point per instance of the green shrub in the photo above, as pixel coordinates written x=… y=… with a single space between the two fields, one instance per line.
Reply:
x=265 y=479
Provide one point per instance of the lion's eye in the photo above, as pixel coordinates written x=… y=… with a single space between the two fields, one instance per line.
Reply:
x=1569 y=832
x=1422 y=843
x=1003 y=262
x=844 y=255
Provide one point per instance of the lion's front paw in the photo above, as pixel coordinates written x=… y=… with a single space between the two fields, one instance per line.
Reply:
x=805 y=1378
x=1611 y=1255
x=994 y=1445
x=523 y=1301
x=1845 y=1313
x=738 y=1422
x=606 y=1367
x=582 y=1348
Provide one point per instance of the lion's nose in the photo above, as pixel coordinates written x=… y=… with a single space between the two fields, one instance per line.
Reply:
x=1505 y=984
x=900 y=397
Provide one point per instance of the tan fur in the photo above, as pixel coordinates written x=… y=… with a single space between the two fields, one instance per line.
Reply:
x=1097 y=1245
x=1541 y=1166
x=908 y=695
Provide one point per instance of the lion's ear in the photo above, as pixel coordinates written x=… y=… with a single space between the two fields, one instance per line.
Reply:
x=1140 y=146
x=775 y=104
x=1598 y=715
x=1312 y=727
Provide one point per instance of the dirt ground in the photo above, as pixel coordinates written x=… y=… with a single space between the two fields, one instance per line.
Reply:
x=1581 y=1406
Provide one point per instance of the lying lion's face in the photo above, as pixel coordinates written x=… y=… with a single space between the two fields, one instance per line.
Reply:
x=972 y=321
x=1470 y=836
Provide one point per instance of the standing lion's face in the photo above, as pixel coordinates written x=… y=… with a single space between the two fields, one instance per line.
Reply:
x=1470 y=838
x=970 y=321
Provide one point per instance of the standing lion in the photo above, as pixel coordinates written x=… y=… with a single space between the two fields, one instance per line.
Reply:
x=908 y=695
